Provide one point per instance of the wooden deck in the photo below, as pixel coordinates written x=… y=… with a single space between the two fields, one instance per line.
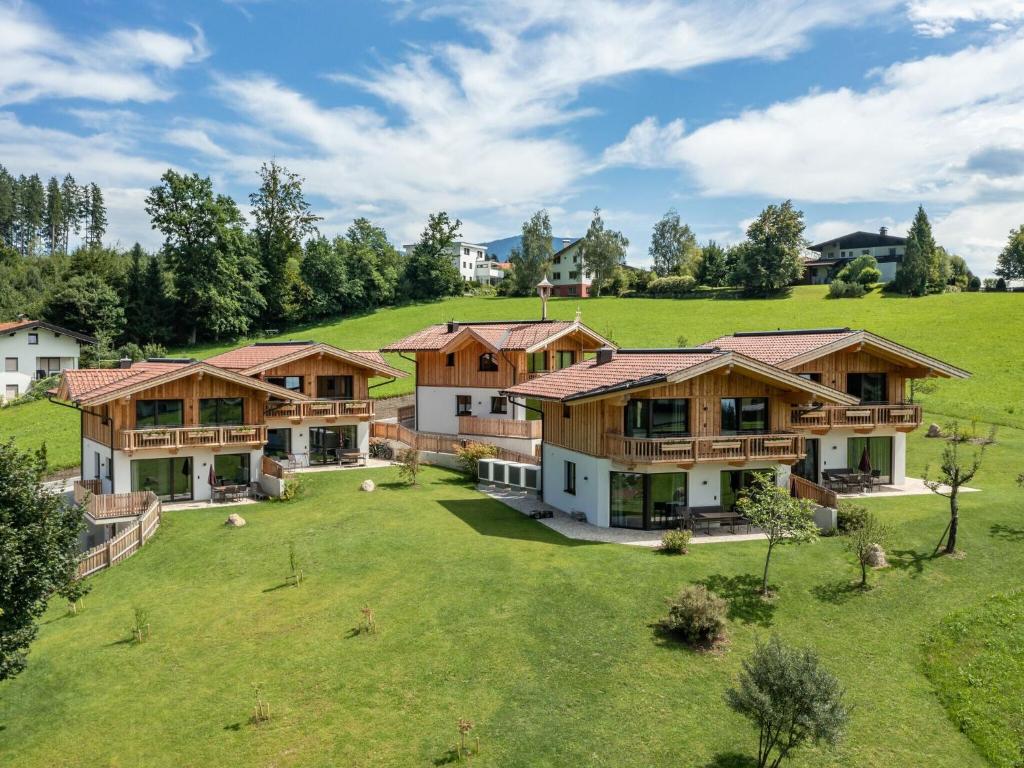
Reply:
x=175 y=438
x=784 y=448
x=476 y=425
x=862 y=418
x=320 y=409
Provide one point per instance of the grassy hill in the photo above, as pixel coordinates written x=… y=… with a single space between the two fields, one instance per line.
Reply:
x=546 y=644
x=981 y=332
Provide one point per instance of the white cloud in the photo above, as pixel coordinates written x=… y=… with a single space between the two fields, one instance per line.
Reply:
x=39 y=62
x=939 y=18
x=978 y=232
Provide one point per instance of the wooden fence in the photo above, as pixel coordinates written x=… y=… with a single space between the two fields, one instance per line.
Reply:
x=802 y=488
x=269 y=466
x=438 y=443
x=476 y=425
x=126 y=543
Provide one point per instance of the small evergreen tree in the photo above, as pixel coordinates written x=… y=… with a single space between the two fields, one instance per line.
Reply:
x=53 y=221
x=919 y=267
x=96 y=223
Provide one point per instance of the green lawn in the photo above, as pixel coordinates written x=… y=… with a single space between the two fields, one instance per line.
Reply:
x=546 y=644
x=978 y=331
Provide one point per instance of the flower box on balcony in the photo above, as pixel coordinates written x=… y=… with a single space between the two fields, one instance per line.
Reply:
x=732 y=445
x=778 y=443
x=243 y=432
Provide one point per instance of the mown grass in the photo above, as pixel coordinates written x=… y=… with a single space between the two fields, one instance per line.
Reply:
x=976 y=661
x=38 y=422
x=545 y=643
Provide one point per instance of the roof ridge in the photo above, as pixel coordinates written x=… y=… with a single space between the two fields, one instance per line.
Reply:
x=791 y=332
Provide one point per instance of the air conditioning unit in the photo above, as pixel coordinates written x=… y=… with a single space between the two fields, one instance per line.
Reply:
x=531 y=477
x=515 y=475
x=498 y=472
x=484 y=469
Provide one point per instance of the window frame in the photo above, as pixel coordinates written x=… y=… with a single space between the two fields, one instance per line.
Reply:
x=7 y=392
x=33 y=339
x=463 y=400
x=569 y=477
x=160 y=409
x=284 y=382
x=499 y=400
x=487 y=363
x=218 y=402
x=739 y=401
x=558 y=358
x=645 y=408
x=449 y=360
x=859 y=394
x=7 y=365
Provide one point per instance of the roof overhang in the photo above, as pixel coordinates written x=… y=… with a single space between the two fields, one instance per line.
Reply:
x=886 y=349
x=326 y=350
x=464 y=337
x=131 y=386
x=576 y=327
x=81 y=337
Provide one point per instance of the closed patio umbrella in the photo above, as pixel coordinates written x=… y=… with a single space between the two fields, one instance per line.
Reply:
x=865 y=462
x=212 y=479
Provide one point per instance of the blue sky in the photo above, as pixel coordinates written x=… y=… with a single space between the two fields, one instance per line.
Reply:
x=857 y=111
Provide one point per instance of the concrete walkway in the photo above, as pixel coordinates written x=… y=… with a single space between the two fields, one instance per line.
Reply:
x=527 y=503
x=914 y=486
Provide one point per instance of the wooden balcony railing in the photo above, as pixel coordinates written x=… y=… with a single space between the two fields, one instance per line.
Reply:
x=173 y=438
x=802 y=488
x=320 y=409
x=735 y=449
x=904 y=417
x=476 y=425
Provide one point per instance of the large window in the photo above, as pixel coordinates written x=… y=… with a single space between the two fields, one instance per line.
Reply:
x=869 y=387
x=159 y=413
x=488 y=362
x=221 y=410
x=536 y=362
x=647 y=501
x=170 y=479
x=463 y=405
x=279 y=442
x=870 y=454
x=231 y=468
x=742 y=415
x=334 y=387
x=659 y=417
x=291 y=383
x=734 y=483
x=564 y=358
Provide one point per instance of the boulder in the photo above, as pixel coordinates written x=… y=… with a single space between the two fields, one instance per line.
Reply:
x=235 y=520
x=934 y=430
x=367 y=485
x=876 y=557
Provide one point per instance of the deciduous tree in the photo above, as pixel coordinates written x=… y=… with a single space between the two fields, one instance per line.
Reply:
x=955 y=471
x=870 y=532
x=769 y=261
x=1010 y=264
x=714 y=266
x=674 y=249
x=531 y=261
x=601 y=251
x=429 y=271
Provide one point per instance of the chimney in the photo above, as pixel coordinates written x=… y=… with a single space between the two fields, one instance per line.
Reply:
x=453 y=326
x=124 y=362
x=883 y=231
x=605 y=355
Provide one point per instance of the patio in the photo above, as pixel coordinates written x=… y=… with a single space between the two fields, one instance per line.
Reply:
x=913 y=486
x=526 y=503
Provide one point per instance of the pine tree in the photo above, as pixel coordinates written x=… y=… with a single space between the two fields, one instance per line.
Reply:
x=919 y=258
x=133 y=293
x=96 y=223
x=155 y=319
x=53 y=220
x=8 y=208
x=70 y=196
x=33 y=209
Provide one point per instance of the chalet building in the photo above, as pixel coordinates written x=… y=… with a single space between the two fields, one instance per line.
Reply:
x=33 y=350
x=635 y=438
x=463 y=368
x=179 y=427
x=831 y=256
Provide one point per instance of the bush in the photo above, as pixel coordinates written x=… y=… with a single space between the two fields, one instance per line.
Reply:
x=840 y=289
x=849 y=517
x=471 y=453
x=673 y=287
x=1001 y=284
x=676 y=542
x=973 y=284
x=869 y=276
x=989 y=283
x=628 y=293
x=696 y=615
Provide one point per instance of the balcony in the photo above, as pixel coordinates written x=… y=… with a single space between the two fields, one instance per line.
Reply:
x=475 y=425
x=784 y=448
x=320 y=409
x=174 y=438
x=862 y=418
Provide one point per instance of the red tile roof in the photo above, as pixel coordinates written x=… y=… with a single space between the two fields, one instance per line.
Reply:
x=255 y=354
x=501 y=335
x=627 y=368
x=96 y=382
x=774 y=347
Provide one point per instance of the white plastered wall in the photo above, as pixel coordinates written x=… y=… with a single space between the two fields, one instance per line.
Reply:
x=202 y=460
x=90 y=448
x=834 y=450
x=435 y=408
x=300 y=432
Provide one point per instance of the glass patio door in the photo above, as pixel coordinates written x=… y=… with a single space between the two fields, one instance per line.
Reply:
x=807 y=467
x=170 y=479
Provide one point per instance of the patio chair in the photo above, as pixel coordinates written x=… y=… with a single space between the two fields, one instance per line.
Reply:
x=876 y=479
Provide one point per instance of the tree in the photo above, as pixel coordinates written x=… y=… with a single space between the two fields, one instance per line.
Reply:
x=283 y=218
x=769 y=261
x=72 y=207
x=782 y=518
x=429 y=271
x=33 y=208
x=869 y=533
x=96 y=220
x=1010 y=264
x=673 y=249
x=217 y=276
x=601 y=251
x=373 y=263
x=8 y=209
x=38 y=551
x=714 y=267
x=53 y=219
x=86 y=304
x=955 y=471
x=790 y=697
x=409 y=465
x=863 y=270
x=530 y=262
x=959 y=273
x=919 y=257
x=324 y=271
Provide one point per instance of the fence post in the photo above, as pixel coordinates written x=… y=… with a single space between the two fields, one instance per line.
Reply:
x=142 y=539
x=110 y=550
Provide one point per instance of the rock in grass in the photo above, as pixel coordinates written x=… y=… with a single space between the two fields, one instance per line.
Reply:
x=934 y=430
x=235 y=520
x=876 y=557
x=368 y=486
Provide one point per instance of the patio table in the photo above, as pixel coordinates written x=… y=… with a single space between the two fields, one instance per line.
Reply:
x=853 y=480
x=732 y=518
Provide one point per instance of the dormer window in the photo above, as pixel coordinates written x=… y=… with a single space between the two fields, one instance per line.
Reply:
x=487 y=362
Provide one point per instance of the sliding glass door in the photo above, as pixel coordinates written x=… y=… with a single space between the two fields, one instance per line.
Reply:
x=735 y=482
x=170 y=479
x=325 y=442
x=647 y=501
x=870 y=454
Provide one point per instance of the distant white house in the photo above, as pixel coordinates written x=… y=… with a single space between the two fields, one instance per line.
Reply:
x=832 y=255
x=32 y=350
x=566 y=273
x=473 y=262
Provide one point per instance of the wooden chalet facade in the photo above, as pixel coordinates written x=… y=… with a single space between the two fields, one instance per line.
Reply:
x=633 y=438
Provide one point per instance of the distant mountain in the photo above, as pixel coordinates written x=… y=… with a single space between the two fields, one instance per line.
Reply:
x=500 y=249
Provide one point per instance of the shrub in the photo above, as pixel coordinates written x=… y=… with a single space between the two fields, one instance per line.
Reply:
x=989 y=283
x=840 y=289
x=627 y=293
x=673 y=287
x=471 y=453
x=862 y=270
x=409 y=465
x=291 y=487
x=696 y=615
x=869 y=276
x=973 y=284
x=849 y=517
x=1001 y=284
x=676 y=542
